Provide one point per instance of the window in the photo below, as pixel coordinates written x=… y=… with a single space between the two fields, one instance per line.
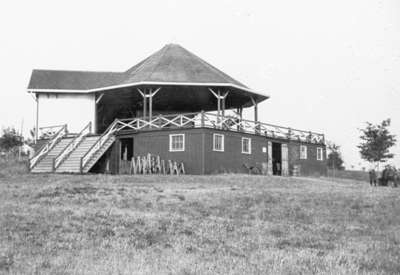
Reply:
x=320 y=153
x=177 y=143
x=246 y=145
x=303 y=152
x=218 y=142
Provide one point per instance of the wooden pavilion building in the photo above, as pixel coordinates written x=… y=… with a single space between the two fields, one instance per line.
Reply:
x=172 y=105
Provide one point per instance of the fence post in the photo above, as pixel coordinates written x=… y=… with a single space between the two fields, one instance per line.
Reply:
x=202 y=119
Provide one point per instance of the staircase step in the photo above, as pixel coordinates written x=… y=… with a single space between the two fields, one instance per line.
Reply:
x=73 y=162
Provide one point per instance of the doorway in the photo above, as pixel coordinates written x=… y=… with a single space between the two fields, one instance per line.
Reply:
x=276 y=159
x=126 y=148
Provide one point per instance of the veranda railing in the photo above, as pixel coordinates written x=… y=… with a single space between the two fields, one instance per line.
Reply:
x=203 y=120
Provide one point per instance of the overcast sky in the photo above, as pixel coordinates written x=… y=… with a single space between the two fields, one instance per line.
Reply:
x=328 y=66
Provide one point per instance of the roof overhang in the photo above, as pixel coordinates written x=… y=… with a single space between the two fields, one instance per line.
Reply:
x=259 y=95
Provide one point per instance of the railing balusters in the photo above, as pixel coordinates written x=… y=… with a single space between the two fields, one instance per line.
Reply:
x=50 y=144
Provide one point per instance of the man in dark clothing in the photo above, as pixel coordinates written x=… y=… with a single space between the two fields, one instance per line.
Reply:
x=372 y=177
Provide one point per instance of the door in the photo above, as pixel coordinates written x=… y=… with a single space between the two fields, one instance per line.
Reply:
x=269 y=159
x=285 y=160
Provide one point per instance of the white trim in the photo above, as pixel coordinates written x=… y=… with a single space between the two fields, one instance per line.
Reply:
x=222 y=143
x=145 y=83
x=170 y=143
x=249 y=140
x=99 y=98
x=320 y=156
x=57 y=91
x=305 y=152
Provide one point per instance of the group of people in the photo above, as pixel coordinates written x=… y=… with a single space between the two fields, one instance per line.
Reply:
x=390 y=176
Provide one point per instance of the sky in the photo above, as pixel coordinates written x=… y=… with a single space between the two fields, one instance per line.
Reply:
x=329 y=66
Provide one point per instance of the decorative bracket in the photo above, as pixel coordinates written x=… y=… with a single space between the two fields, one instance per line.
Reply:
x=99 y=98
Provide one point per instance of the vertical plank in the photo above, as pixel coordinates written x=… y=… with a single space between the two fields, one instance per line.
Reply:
x=285 y=160
x=269 y=159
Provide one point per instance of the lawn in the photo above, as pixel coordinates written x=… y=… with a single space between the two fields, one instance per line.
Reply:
x=224 y=224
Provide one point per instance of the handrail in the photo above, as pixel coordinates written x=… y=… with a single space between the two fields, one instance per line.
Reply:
x=51 y=127
x=72 y=145
x=97 y=145
x=49 y=145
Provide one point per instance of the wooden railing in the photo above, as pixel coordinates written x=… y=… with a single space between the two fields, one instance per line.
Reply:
x=49 y=145
x=203 y=120
x=72 y=145
x=210 y=120
x=48 y=132
x=97 y=145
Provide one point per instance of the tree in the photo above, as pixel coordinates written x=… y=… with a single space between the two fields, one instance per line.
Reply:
x=334 y=160
x=376 y=141
x=10 y=139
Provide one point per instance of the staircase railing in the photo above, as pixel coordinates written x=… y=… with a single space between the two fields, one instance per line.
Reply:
x=97 y=145
x=71 y=146
x=49 y=145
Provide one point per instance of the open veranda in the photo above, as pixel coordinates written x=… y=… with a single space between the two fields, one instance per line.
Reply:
x=223 y=224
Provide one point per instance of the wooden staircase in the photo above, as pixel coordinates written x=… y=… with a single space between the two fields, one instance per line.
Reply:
x=45 y=165
x=97 y=155
x=72 y=164
x=66 y=153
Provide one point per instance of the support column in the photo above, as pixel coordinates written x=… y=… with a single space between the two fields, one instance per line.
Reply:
x=240 y=113
x=96 y=101
x=148 y=96
x=145 y=106
x=220 y=101
x=223 y=107
x=150 y=108
x=219 y=104
x=255 y=104
x=37 y=119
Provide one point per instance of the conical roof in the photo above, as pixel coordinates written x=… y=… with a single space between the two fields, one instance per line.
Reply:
x=174 y=63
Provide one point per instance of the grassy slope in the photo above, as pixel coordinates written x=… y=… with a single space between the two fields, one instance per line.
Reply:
x=61 y=224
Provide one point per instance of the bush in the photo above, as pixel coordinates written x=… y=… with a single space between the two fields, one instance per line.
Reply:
x=11 y=166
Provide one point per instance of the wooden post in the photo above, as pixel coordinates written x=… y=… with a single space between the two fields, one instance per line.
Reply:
x=150 y=106
x=223 y=103
x=257 y=126
x=220 y=101
x=256 y=112
x=223 y=107
x=218 y=106
x=240 y=111
x=202 y=119
x=144 y=106
x=150 y=96
x=37 y=119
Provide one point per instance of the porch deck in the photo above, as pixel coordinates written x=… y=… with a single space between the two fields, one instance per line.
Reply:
x=213 y=121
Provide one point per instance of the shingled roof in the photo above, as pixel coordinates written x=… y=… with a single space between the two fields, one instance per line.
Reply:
x=73 y=80
x=172 y=65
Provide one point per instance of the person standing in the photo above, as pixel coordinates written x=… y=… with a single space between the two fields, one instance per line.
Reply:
x=372 y=177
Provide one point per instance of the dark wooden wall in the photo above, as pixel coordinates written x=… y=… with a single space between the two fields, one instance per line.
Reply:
x=310 y=166
x=199 y=157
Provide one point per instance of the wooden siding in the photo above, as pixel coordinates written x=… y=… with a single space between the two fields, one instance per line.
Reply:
x=200 y=158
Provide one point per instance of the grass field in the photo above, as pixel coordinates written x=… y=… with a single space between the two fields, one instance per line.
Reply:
x=227 y=224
